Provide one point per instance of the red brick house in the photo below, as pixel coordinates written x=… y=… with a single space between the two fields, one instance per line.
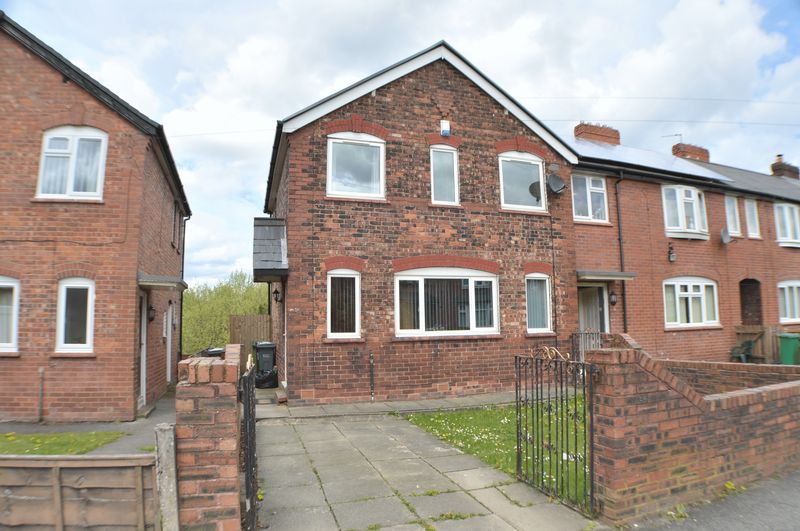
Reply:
x=92 y=230
x=424 y=228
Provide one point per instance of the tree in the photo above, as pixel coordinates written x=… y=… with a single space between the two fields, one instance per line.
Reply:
x=207 y=309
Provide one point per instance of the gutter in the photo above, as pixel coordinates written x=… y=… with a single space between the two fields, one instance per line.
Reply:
x=621 y=253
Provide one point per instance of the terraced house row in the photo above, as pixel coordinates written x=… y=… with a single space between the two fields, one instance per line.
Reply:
x=424 y=228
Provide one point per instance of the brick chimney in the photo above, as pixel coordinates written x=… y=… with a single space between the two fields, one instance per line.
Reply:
x=597 y=133
x=688 y=151
x=784 y=169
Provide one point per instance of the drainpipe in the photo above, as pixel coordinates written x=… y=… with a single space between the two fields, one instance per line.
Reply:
x=621 y=253
x=41 y=394
x=183 y=262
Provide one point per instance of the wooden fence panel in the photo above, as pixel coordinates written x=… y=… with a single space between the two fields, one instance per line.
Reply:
x=66 y=492
x=245 y=329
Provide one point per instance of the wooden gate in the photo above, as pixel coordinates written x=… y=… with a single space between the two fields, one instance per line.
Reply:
x=245 y=329
x=78 y=492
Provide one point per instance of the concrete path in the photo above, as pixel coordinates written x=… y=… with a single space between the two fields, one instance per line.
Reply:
x=380 y=471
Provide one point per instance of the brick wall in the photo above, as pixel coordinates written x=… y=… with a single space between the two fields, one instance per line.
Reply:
x=207 y=433
x=658 y=442
x=711 y=378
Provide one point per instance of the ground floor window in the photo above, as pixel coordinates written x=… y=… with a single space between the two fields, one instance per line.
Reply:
x=690 y=301
x=9 y=313
x=789 y=301
x=445 y=301
x=344 y=304
x=75 y=320
x=537 y=296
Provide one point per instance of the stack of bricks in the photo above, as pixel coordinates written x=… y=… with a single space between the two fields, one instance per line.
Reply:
x=207 y=435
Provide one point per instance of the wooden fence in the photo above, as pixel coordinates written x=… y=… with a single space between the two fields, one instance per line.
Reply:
x=245 y=329
x=766 y=349
x=68 y=492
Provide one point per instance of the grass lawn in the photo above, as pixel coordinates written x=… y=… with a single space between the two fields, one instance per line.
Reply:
x=66 y=443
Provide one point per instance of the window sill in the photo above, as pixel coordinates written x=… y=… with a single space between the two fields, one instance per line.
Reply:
x=590 y=222
x=73 y=355
x=791 y=245
x=540 y=334
x=782 y=321
x=67 y=200
x=509 y=210
x=343 y=340
x=9 y=354
x=691 y=328
x=446 y=205
x=356 y=199
x=447 y=338
x=687 y=235
x=749 y=237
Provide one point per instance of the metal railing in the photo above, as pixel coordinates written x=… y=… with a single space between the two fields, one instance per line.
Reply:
x=247 y=387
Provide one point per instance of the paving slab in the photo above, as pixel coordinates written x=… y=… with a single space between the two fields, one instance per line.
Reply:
x=271 y=412
x=356 y=489
x=316 y=432
x=454 y=463
x=479 y=523
x=405 y=467
x=337 y=457
x=285 y=478
x=341 y=409
x=550 y=516
x=307 y=411
x=479 y=478
x=377 y=512
x=294 y=497
x=523 y=494
x=417 y=485
x=303 y=519
x=335 y=445
x=329 y=473
x=450 y=502
x=269 y=449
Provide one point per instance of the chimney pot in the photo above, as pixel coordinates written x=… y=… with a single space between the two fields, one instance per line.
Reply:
x=784 y=169
x=689 y=151
x=597 y=133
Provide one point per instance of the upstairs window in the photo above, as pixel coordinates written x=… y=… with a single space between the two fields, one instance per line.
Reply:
x=9 y=314
x=73 y=163
x=344 y=304
x=787 y=223
x=589 y=201
x=751 y=217
x=685 y=212
x=75 y=320
x=690 y=302
x=444 y=175
x=445 y=301
x=537 y=298
x=789 y=301
x=732 y=215
x=356 y=166
x=522 y=182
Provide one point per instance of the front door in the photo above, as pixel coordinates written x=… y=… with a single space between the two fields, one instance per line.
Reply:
x=592 y=308
x=142 y=350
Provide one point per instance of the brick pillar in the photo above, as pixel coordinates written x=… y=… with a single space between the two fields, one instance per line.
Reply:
x=207 y=439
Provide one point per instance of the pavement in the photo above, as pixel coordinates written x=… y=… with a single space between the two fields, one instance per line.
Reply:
x=772 y=504
x=139 y=433
x=380 y=471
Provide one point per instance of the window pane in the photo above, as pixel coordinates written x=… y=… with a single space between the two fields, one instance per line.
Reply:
x=58 y=142
x=689 y=214
x=75 y=316
x=355 y=168
x=697 y=310
x=598 y=183
x=87 y=165
x=791 y=303
x=6 y=314
x=579 y=199
x=537 y=303
x=794 y=223
x=409 y=305
x=671 y=207
x=446 y=304
x=343 y=305
x=598 y=206
x=751 y=212
x=701 y=202
x=711 y=306
x=518 y=178
x=732 y=214
x=669 y=303
x=444 y=168
x=54 y=175
x=484 y=307
x=683 y=310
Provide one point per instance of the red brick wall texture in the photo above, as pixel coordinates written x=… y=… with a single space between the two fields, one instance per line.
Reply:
x=108 y=242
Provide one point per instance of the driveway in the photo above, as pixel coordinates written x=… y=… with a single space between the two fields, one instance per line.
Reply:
x=383 y=472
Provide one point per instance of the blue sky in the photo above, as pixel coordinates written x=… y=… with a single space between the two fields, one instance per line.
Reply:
x=724 y=75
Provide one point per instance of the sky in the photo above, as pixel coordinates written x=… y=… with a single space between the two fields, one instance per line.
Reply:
x=218 y=75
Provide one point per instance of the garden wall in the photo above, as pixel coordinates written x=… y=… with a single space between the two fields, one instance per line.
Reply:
x=659 y=442
x=709 y=378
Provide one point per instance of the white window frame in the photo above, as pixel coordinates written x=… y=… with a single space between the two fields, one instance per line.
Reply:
x=753 y=224
x=519 y=156
x=73 y=134
x=791 y=216
x=472 y=275
x=589 y=190
x=792 y=289
x=691 y=281
x=680 y=230
x=548 y=289
x=732 y=220
x=443 y=148
x=61 y=315
x=13 y=283
x=344 y=273
x=356 y=138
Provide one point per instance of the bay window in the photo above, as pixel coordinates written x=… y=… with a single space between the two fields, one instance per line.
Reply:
x=9 y=314
x=537 y=301
x=75 y=318
x=344 y=304
x=787 y=223
x=789 y=301
x=684 y=212
x=355 y=166
x=445 y=301
x=690 y=301
x=73 y=163
x=522 y=182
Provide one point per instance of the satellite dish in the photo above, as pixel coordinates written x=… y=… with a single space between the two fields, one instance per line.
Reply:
x=726 y=236
x=535 y=191
x=555 y=183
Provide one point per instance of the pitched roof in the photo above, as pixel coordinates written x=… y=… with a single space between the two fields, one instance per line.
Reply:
x=103 y=94
x=441 y=51
x=270 y=261
x=756 y=182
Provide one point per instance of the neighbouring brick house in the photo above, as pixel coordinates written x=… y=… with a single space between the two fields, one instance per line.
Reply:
x=91 y=259
x=425 y=228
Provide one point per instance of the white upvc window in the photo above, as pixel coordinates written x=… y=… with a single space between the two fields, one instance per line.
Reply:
x=445 y=301
x=344 y=304
x=589 y=201
x=522 y=182
x=9 y=314
x=444 y=175
x=356 y=166
x=690 y=302
x=75 y=319
x=538 y=303
x=787 y=224
x=73 y=163
x=789 y=301
x=751 y=217
x=684 y=212
x=732 y=215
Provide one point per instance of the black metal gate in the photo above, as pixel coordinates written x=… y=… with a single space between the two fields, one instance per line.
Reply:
x=554 y=426
x=247 y=396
